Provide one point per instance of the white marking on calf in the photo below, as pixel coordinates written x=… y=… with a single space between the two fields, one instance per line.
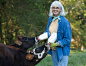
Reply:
x=36 y=42
x=40 y=55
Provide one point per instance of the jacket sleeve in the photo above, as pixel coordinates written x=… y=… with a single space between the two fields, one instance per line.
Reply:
x=66 y=35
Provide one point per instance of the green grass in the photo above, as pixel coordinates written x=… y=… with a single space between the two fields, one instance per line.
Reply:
x=75 y=59
x=47 y=61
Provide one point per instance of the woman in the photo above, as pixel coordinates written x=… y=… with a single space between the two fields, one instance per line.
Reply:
x=58 y=32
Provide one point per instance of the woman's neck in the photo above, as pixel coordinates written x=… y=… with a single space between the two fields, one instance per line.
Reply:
x=56 y=15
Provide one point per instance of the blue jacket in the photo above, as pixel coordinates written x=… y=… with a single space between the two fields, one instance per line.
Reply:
x=63 y=37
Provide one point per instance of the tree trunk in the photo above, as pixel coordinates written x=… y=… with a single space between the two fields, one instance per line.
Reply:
x=0 y=30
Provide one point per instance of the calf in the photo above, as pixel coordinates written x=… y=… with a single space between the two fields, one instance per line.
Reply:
x=12 y=56
x=38 y=54
x=25 y=42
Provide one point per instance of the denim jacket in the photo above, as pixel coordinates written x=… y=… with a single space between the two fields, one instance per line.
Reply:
x=63 y=37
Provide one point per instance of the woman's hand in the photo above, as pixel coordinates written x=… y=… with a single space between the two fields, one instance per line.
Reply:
x=54 y=44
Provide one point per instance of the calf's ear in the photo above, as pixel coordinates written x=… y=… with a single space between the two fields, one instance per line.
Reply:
x=18 y=42
x=19 y=37
x=29 y=56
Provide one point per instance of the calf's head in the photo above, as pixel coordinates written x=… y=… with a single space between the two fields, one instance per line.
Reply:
x=25 y=42
x=38 y=53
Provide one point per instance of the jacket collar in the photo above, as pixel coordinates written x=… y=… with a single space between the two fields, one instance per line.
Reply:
x=51 y=18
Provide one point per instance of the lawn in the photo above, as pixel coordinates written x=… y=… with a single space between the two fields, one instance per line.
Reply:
x=75 y=59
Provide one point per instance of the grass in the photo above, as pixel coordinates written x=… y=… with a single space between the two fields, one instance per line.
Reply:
x=75 y=59
x=47 y=61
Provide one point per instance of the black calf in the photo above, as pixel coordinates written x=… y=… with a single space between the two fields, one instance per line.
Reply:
x=24 y=42
x=12 y=56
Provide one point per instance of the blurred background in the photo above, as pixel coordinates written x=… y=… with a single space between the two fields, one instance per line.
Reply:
x=30 y=17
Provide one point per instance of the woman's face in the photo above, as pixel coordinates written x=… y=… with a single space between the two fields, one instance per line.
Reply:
x=56 y=10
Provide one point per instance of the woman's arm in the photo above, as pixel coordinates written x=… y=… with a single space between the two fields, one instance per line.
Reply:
x=66 y=35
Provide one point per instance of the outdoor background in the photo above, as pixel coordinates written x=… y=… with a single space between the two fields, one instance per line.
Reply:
x=30 y=17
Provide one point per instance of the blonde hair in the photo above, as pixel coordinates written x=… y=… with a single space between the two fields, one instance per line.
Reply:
x=62 y=13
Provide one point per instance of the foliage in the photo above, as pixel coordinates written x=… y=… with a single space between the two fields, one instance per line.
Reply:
x=76 y=14
x=30 y=17
x=22 y=17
